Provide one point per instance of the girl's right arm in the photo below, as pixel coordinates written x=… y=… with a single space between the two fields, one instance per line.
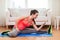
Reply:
x=16 y=22
x=35 y=27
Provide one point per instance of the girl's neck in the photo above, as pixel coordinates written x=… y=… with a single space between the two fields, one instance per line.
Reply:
x=31 y=17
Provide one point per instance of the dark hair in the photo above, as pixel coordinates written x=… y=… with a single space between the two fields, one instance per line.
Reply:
x=33 y=12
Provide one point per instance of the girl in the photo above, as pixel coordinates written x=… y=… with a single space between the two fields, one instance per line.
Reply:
x=25 y=22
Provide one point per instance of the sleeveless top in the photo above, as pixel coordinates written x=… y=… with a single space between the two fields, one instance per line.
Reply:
x=23 y=23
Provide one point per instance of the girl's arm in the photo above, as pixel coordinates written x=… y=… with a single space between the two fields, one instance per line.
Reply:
x=36 y=28
x=41 y=26
x=17 y=20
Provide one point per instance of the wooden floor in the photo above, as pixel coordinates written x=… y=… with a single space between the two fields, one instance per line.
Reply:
x=56 y=36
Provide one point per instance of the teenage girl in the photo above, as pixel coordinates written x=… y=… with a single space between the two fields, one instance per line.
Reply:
x=23 y=23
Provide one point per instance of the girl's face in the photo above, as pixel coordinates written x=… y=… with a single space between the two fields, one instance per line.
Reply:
x=35 y=15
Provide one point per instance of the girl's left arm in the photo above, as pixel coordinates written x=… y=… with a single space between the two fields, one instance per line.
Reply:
x=41 y=26
x=36 y=28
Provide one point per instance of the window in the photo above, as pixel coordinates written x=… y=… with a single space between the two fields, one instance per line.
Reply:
x=28 y=4
x=17 y=4
x=37 y=3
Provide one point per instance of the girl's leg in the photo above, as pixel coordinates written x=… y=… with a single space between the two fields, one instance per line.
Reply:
x=14 y=32
x=30 y=30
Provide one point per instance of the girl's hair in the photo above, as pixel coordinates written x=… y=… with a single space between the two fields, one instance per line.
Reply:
x=33 y=12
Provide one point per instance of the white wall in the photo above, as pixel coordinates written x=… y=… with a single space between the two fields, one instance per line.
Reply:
x=53 y=4
x=2 y=11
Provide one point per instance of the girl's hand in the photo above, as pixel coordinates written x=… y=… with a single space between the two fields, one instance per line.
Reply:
x=17 y=29
x=36 y=28
x=41 y=26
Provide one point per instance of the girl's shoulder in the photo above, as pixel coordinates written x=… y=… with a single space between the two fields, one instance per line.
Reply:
x=22 y=17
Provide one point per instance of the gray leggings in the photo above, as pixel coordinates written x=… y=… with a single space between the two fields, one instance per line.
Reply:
x=14 y=32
